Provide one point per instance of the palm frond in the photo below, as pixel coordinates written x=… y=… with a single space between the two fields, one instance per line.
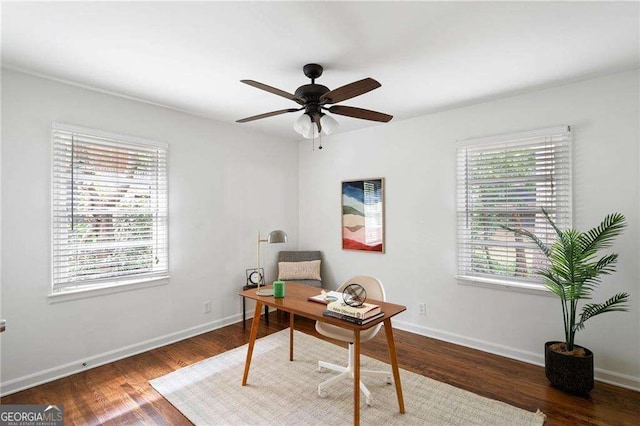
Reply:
x=605 y=264
x=615 y=303
x=552 y=282
x=545 y=249
x=602 y=236
x=553 y=224
x=578 y=292
x=573 y=271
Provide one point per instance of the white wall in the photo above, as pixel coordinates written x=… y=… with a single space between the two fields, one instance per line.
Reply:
x=225 y=183
x=417 y=159
x=219 y=173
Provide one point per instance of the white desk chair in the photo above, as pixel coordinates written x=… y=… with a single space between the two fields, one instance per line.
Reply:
x=375 y=290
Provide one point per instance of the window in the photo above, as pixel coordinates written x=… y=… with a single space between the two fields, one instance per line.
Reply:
x=507 y=180
x=109 y=221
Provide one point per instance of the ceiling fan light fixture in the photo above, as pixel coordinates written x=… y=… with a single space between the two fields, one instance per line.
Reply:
x=312 y=132
x=313 y=98
x=302 y=124
x=329 y=124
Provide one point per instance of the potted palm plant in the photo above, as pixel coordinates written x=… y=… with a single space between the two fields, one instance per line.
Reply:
x=574 y=271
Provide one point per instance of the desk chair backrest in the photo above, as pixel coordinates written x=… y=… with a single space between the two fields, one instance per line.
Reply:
x=375 y=291
x=372 y=286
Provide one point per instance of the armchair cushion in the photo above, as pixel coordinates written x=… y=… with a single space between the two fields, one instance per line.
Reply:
x=314 y=279
x=306 y=270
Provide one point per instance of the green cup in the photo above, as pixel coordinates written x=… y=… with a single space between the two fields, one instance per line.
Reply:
x=278 y=289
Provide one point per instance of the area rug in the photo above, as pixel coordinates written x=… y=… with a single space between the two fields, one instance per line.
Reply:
x=281 y=392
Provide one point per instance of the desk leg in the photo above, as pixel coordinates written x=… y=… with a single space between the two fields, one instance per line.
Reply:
x=244 y=312
x=291 y=315
x=356 y=378
x=394 y=362
x=252 y=340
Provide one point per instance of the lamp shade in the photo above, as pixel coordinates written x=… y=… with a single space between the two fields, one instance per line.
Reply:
x=302 y=124
x=312 y=132
x=276 y=237
x=329 y=124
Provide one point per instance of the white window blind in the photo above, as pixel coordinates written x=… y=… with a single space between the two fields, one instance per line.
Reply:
x=507 y=180
x=109 y=221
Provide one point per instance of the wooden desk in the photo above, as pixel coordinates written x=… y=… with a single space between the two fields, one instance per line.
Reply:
x=296 y=303
x=244 y=307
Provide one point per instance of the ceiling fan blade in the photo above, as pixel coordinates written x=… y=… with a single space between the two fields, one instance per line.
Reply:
x=364 y=114
x=273 y=90
x=268 y=114
x=349 y=91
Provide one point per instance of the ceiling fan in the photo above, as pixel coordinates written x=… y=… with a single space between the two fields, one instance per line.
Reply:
x=313 y=99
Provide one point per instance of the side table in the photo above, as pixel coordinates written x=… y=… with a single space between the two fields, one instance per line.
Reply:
x=244 y=307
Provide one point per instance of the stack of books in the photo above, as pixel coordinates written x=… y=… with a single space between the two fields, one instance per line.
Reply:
x=360 y=315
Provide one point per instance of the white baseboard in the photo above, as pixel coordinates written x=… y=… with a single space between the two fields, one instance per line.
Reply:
x=21 y=383
x=54 y=373
x=605 y=376
x=617 y=379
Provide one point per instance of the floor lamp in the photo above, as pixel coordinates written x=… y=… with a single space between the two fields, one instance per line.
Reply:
x=274 y=237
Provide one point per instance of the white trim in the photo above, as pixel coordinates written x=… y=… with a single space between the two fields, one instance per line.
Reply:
x=50 y=374
x=512 y=137
x=499 y=284
x=106 y=286
x=617 y=379
x=54 y=373
x=504 y=143
x=602 y=375
x=83 y=293
x=108 y=135
x=104 y=91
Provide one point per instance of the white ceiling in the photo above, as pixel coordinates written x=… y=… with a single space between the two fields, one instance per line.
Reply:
x=428 y=56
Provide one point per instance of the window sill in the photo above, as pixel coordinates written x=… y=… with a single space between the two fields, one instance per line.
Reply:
x=67 y=296
x=497 y=284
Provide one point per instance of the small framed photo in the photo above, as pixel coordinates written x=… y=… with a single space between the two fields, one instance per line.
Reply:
x=363 y=215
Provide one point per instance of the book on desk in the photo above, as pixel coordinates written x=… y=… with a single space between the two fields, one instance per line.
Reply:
x=334 y=301
x=363 y=311
x=327 y=297
x=337 y=308
x=349 y=318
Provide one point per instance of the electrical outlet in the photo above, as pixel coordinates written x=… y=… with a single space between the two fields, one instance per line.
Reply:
x=422 y=308
x=207 y=307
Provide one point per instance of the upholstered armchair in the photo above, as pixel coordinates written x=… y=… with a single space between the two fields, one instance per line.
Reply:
x=300 y=266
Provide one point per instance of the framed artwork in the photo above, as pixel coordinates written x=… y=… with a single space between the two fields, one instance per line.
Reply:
x=363 y=215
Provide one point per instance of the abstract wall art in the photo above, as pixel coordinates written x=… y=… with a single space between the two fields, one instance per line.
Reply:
x=363 y=215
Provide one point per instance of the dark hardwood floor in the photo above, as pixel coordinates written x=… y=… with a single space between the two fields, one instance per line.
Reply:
x=119 y=392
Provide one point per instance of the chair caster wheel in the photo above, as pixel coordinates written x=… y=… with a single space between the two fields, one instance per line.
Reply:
x=323 y=393
x=389 y=381
x=322 y=369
